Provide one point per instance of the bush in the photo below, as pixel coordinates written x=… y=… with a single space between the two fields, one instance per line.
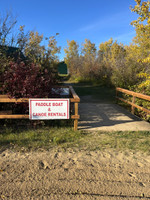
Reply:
x=28 y=81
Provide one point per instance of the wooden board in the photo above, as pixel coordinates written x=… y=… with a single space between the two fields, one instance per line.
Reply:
x=75 y=96
x=14 y=116
x=5 y=112
x=139 y=95
x=136 y=106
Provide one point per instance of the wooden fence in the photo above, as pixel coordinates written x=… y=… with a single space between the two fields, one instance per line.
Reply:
x=134 y=95
x=74 y=101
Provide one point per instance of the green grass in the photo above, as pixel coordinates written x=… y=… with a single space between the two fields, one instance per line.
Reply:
x=60 y=134
x=98 y=93
x=44 y=137
x=133 y=140
x=47 y=138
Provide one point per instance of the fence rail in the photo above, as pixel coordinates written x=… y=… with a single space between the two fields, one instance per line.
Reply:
x=74 y=100
x=134 y=95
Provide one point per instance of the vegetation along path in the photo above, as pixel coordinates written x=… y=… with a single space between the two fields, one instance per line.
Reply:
x=98 y=111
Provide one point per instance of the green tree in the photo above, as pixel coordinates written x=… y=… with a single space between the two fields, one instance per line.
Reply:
x=112 y=61
x=53 y=50
x=88 y=49
x=72 y=57
x=88 y=59
x=105 y=50
x=45 y=56
x=142 y=27
x=33 y=49
x=142 y=43
x=29 y=45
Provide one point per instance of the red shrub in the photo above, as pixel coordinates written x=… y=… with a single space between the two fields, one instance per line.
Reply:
x=28 y=81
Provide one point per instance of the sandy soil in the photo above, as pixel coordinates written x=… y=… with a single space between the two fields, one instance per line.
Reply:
x=74 y=174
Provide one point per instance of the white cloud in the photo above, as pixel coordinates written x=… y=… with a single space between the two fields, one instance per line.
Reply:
x=125 y=37
x=116 y=20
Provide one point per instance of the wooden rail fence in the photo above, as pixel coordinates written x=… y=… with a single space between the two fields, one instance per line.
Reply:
x=134 y=95
x=74 y=101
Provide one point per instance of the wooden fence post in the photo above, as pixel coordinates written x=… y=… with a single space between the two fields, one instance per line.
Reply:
x=72 y=96
x=76 y=114
x=134 y=94
x=116 y=96
x=133 y=107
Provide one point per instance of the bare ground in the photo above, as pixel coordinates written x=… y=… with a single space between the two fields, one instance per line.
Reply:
x=74 y=174
x=109 y=117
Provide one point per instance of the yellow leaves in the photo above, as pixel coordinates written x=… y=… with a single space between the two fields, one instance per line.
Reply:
x=111 y=53
x=138 y=1
x=142 y=25
x=105 y=46
x=35 y=38
x=72 y=49
x=22 y=28
x=38 y=52
x=89 y=48
x=142 y=9
x=143 y=75
x=72 y=54
x=145 y=60
x=33 y=48
x=53 y=46
x=146 y=82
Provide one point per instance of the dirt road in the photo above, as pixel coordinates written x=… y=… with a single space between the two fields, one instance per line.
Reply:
x=74 y=175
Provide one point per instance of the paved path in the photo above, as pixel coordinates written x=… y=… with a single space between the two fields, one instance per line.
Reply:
x=109 y=117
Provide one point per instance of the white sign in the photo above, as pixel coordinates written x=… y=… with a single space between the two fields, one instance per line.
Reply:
x=41 y=109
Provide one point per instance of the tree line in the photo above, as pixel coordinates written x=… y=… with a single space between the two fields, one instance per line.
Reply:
x=113 y=63
x=28 y=67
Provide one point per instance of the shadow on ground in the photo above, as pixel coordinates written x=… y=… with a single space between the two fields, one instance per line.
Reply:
x=109 y=117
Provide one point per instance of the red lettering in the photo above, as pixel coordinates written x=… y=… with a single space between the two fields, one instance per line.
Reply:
x=57 y=114
x=57 y=104
x=39 y=114
x=43 y=104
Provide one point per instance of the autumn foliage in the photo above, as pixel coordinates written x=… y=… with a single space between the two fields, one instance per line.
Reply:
x=36 y=73
x=111 y=63
x=27 y=80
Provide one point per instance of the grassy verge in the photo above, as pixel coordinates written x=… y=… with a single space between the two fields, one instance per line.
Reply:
x=32 y=139
x=47 y=138
x=128 y=140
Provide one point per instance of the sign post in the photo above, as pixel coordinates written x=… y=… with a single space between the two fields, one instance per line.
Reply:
x=48 y=109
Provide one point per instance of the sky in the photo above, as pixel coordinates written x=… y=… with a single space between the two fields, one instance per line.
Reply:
x=96 y=20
